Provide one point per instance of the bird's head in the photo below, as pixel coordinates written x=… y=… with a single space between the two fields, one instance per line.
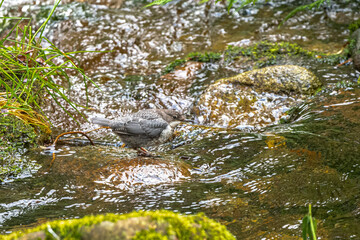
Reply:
x=173 y=117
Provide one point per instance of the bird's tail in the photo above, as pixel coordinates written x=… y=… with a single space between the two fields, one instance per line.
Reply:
x=101 y=121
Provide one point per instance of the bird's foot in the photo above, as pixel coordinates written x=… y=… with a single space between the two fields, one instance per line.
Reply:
x=145 y=153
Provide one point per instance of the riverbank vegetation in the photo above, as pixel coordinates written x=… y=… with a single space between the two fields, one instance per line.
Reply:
x=32 y=70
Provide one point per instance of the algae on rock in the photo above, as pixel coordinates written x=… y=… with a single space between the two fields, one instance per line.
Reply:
x=15 y=138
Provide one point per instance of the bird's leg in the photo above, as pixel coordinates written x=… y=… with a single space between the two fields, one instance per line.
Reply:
x=143 y=152
x=123 y=145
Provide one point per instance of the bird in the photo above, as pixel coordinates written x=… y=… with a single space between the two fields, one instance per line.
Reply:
x=148 y=127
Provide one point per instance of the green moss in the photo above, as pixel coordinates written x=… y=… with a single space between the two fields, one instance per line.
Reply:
x=346 y=84
x=194 y=56
x=159 y=224
x=204 y=57
x=268 y=53
x=173 y=65
x=351 y=47
x=263 y=54
x=266 y=49
x=354 y=26
x=15 y=136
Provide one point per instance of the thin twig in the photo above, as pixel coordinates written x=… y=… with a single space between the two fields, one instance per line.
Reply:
x=349 y=60
x=62 y=134
x=75 y=132
x=84 y=132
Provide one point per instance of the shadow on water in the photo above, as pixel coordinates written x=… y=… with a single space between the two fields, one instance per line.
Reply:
x=258 y=184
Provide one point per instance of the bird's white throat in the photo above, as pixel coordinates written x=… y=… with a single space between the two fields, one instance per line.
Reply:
x=174 y=124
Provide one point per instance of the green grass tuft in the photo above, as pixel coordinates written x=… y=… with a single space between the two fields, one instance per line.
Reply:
x=29 y=71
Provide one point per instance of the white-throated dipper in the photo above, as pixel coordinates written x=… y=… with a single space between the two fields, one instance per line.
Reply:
x=144 y=128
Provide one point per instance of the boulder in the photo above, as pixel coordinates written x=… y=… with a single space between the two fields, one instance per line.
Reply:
x=159 y=224
x=256 y=98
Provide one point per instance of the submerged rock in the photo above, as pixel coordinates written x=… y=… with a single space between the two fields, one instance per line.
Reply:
x=136 y=225
x=132 y=174
x=255 y=98
x=119 y=168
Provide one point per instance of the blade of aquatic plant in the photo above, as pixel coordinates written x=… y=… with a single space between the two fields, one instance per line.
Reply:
x=309 y=226
x=42 y=27
x=304 y=226
x=85 y=78
x=60 y=105
x=9 y=33
x=231 y=3
x=56 y=89
x=310 y=6
x=12 y=80
x=26 y=77
x=157 y=2
x=53 y=69
x=246 y=2
x=312 y=225
x=24 y=113
x=17 y=83
x=68 y=55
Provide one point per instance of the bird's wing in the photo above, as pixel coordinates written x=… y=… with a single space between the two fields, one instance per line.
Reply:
x=101 y=121
x=141 y=127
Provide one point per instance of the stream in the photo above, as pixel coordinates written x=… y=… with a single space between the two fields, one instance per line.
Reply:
x=257 y=183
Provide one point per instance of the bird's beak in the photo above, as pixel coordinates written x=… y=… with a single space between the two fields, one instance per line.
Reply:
x=188 y=120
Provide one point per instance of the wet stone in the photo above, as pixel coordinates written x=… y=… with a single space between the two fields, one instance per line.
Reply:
x=256 y=98
x=120 y=168
x=131 y=174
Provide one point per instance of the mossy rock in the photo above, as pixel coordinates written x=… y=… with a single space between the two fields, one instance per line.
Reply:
x=354 y=47
x=121 y=168
x=159 y=224
x=260 y=54
x=277 y=79
x=256 y=98
x=15 y=138
x=354 y=26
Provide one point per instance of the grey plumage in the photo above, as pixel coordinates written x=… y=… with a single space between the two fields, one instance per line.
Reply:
x=101 y=121
x=145 y=127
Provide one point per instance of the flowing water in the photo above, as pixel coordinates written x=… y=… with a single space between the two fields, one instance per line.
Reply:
x=258 y=183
